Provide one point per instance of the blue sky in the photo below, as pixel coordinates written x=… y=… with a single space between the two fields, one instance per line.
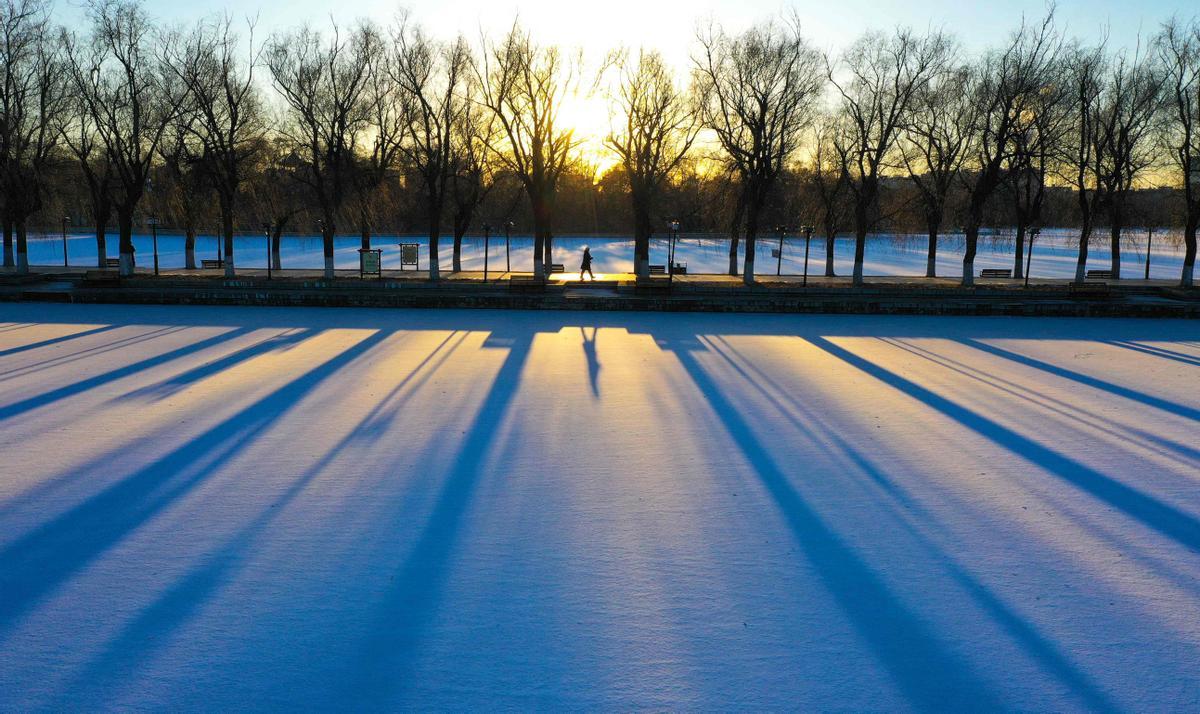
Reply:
x=669 y=25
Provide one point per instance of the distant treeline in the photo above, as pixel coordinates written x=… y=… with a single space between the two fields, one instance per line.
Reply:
x=376 y=128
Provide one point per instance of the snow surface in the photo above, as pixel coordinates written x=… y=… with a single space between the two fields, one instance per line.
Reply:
x=218 y=508
x=1054 y=254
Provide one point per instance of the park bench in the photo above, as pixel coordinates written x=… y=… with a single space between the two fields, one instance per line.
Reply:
x=112 y=262
x=1100 y=274
x=211 y=264
x=557 y=268
x=680 y=269
x=102 y=277
x=996 y=273
x=658 y=269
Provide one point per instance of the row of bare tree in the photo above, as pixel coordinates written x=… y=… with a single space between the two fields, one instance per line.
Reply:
x=340 y=122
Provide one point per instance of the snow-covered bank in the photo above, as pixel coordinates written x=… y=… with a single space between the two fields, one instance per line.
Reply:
x=252 y=508
x=1054 y=253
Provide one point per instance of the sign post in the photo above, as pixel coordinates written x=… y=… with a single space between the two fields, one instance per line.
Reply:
x=370 y=262
x=410 y=255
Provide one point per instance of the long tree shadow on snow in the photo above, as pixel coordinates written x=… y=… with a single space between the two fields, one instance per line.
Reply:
x=36 y=564
x=1036 y=644
x=399 y=620
x=155 y=624
x=903 y=644
x=1150 y=511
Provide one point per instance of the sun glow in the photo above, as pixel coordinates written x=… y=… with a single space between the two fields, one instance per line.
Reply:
x=587 y=115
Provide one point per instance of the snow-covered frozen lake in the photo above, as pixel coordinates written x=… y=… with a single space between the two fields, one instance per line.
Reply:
x=210 y=508
x=1054 y=253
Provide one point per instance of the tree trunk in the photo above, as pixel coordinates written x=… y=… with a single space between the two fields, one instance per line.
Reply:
x=22 y=248
x=830 y=247
x=641 y=242
x=101 y=244
x=9 y=259
x=456 y=253
x=541 y=235
x=1019 y=252
x=735 y=228
x=1081 y=261
x=227 y=233
x=366 y=235
x=751 y=239
x=276 y=236
x=860 y=239
x=189 y=248
x=931 y=257
x=972 y=239
x=1114 y=231
x=1189 y=254
x=327 y=245
x=125 y=246
x=435 y=235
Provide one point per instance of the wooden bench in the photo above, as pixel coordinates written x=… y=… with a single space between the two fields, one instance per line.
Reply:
x=680 y=269
x=996 y=273
x=112 y=262
x=557 y=268
x=211 y=264
x=658 y=269
x=102 y=277
x=1100 y=274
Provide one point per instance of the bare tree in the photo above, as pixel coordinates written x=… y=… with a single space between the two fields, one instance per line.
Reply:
x=1037 y=148
x=525 y=86
x=655 y=126
x=322 y=82
x=229 y=118
x=1004 y=84
x=183 y=159
x=1130 y=105
x=473 y=174
x=385 y=122
x=878 y=79
x=131 y=97
x=79 y=133
x=1086 y=67
x=1179 y=49
x=431 y=77
x=827 y=177
x=758 y=93
x=936 y=139
x=32 y=102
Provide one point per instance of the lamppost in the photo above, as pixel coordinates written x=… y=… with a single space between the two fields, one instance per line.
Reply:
x=1033 y=234
x=671 y=252
x=267 y=232
x=65 y=221
x=508 y=226
x=154 y=233
x=1149 y=238
x=779 y=253
x=808 y=231
x=487 y=234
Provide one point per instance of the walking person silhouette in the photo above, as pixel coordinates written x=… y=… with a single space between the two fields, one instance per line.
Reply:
x=586 y=265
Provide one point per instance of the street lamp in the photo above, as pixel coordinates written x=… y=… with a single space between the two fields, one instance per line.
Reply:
x=508 y=226
x=674 y=224
x=1033 y=234
x=267 y=233
x=487 y=234
x=154 y=232
x=1149 y=238
x=808 y=231
x=779 y=253
x=65 y=221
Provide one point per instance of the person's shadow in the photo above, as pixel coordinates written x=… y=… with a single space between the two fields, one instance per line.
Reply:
x=593 y=362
